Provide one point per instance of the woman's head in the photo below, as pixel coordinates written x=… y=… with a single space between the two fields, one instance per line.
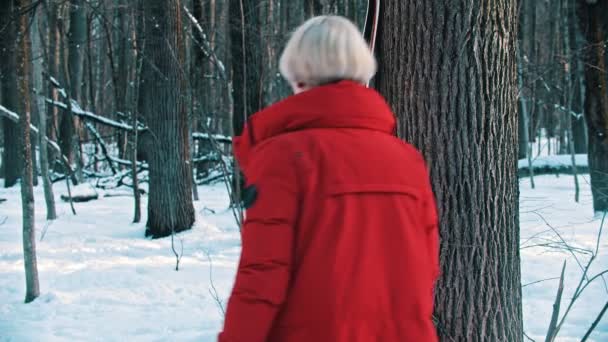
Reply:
x=326 y=49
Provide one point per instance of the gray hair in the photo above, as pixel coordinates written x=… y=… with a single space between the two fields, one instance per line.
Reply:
x=326 y=49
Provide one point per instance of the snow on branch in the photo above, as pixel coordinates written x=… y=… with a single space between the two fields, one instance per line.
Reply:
x=15 y=118
x=10 y=114
x=78 y=111
x=207 y=46
x=58 y=86
x=217 y=137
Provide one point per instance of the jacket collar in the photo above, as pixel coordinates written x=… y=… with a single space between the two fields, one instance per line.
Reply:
x=344 y=104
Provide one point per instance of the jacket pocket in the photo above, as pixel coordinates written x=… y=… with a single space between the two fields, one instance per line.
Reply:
x=373 y=188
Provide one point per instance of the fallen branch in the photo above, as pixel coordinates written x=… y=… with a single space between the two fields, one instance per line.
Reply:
x=104 y=148
x=76 y=110
x=215 y=137
x=15 y=118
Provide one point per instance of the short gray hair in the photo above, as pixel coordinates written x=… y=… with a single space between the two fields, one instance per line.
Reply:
x=326 y=49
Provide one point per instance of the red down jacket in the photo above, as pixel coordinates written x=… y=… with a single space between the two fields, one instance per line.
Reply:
x=341 y=243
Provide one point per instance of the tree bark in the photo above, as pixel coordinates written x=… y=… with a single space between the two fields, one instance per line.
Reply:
x=312 y=8
x=77 y=38
x=579 y=127
x=27 y=187
x=170 y=207
x=246 y=61
x=39 y=65
x=8 y=81
x=593 y=17
x=457 y=104
x=54 y=55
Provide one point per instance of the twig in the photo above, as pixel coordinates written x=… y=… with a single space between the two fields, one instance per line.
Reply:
x=552 y=332
x=595 y=323
x=528 y=337
x=46 y=227
x=539 y=281
x=568 y=247
x=178 y=257
x=213 y=290
x=582 y=285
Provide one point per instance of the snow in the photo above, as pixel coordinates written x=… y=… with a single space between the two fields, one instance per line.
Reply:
x=554 y=161
x=101 y=280
x=542 y=258
x=84 y=190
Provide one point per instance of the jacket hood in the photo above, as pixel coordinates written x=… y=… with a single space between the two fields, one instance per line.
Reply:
x=345 y=104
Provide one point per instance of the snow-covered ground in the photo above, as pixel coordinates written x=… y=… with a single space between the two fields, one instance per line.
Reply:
x=554 y=161
x=101 y=280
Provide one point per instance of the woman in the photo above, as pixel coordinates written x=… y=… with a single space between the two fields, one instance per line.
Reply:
x=340 y=241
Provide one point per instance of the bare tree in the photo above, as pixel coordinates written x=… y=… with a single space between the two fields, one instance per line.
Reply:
x=161 y=100
x=27 y=186
x=457 y=104
x=51 y=211
x=593 y=19
x=12 y=155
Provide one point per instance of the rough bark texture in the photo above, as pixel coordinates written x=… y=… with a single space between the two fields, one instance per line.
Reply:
x=448 y=69
x=162 y=84
x=27 y=187
x=12 y=154
x=594 y=24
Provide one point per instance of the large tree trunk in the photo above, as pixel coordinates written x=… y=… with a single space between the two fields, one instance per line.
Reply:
x=457 y=104
x=8 y=81
x=593 y=18
x=162 y=85
x=27 y=187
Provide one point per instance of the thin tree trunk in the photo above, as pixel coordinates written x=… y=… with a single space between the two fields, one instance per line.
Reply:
x=53 y=69
x=12 y=152
x=134 y=114
x=39 y=65
x=170 y=207
x=27 y=187
x=76 y=44
x=457 y=104
x=246 y=74
x=579 y=126
x=593 y=18
x=67 y=114
x=524 y=122
x=569 y=13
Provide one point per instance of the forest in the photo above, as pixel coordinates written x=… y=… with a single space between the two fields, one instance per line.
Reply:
x=121 y=201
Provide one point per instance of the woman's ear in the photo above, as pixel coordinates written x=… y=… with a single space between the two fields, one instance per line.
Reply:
x=299 y=87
